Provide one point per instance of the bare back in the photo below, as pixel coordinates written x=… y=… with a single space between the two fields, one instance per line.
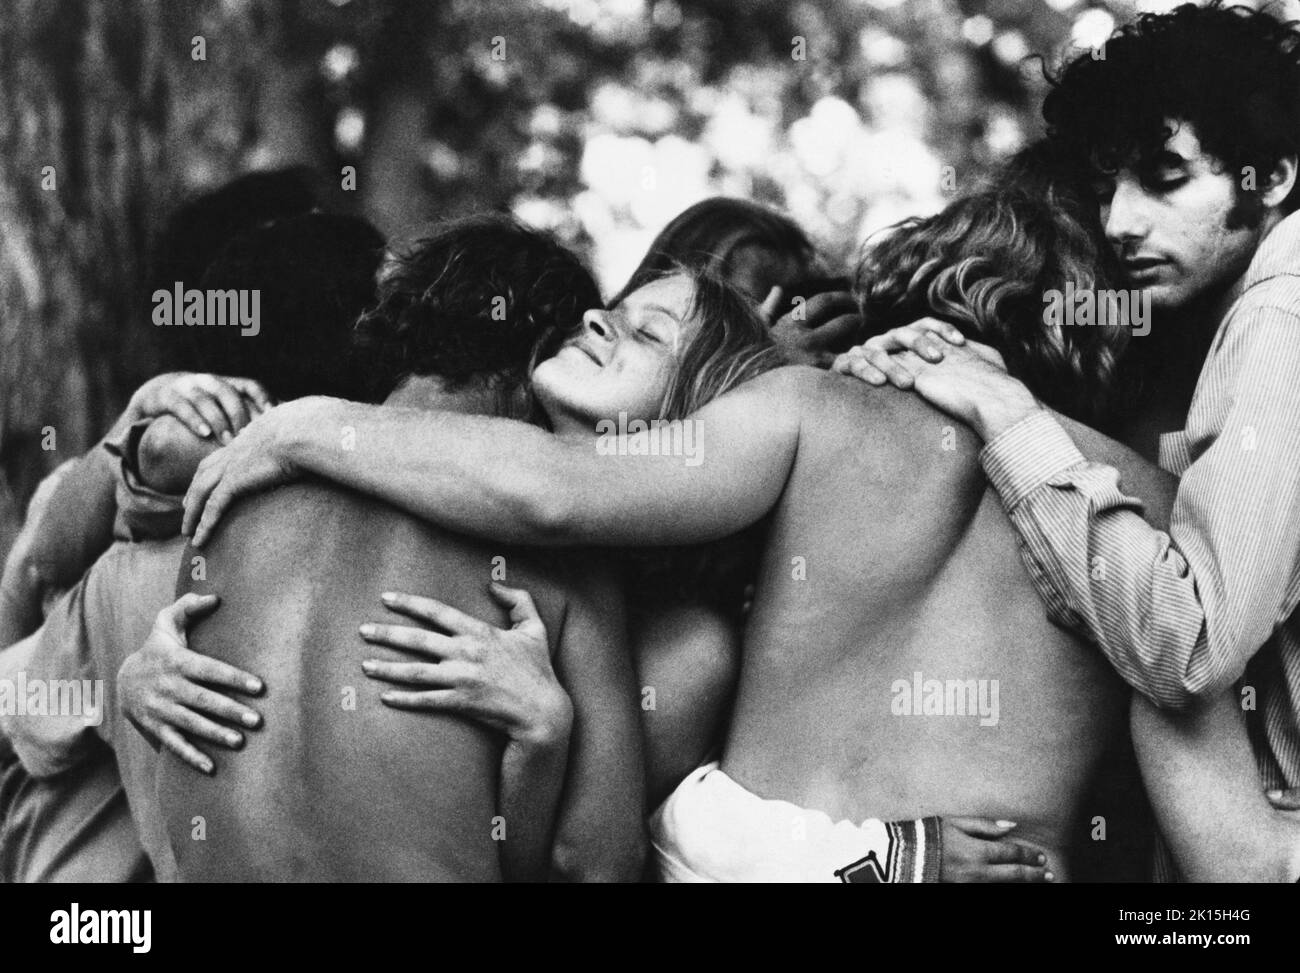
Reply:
x=898 y=663
x=337 y=786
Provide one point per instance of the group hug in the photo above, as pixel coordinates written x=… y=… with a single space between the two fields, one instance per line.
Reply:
x=448 y=568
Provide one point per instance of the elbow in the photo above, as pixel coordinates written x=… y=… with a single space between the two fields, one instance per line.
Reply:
x=591 y=862
x=1198 y=686
x=154 y=460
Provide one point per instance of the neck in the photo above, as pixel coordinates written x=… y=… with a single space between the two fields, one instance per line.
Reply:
x=570 y=426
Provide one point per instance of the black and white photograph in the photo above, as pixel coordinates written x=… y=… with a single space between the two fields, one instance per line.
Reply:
x=650 y=441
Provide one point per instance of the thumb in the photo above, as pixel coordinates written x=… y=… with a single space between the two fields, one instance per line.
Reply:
x=523 y=611
x=176 y=618
x=982 y=827
x=771 y=305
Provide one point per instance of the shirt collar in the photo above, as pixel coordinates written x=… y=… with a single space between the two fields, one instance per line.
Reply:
x=1278 y=254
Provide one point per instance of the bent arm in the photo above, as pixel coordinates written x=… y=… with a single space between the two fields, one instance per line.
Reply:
x=1200 y=774
x=509 y=481
x=69 y=524
x=169 y=453
x=1178 y=613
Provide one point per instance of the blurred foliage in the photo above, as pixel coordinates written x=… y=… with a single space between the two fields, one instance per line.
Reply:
x=599 y=120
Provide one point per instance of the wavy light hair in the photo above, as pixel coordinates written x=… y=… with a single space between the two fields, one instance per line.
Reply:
x=985 y=264
x=731 y=344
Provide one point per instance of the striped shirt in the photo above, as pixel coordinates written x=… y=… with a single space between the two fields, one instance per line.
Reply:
x=1189 y=612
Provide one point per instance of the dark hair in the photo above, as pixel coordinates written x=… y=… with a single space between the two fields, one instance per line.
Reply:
x=314 y=274
x=985 y=264
x=1232 y=72
x=471 y=300
x=197 y=230
x=704 y=237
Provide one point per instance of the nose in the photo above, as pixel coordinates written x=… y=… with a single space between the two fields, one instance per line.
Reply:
x=1126 y=218
x=597 y=322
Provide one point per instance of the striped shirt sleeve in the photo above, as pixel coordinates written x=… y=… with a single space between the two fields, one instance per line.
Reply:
x=1178 y=614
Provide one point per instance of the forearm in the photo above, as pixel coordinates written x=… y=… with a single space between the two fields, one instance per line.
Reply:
x=20 y=604
x=479 y=475
x=1200 y=774
x=532 y=777
x=69 y=524
x=509 y=481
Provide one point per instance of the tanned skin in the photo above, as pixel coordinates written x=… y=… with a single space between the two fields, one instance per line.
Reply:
x=329 y=791
x=910 y=566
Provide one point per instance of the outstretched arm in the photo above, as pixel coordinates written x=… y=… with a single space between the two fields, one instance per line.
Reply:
x=509 y=481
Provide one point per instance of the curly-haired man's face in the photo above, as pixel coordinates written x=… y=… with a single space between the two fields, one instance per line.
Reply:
x=621 y=360
x=1170 y=222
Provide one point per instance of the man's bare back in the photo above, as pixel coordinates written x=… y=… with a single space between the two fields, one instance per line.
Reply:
x=339 y=787
x=890 y=557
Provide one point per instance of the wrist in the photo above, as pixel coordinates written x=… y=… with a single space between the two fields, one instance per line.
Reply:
x=305 y=428
x=551 y=726
x=995 y=416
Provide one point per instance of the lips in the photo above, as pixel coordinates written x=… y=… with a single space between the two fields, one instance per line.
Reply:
x=1142 y=263
x=1139 y=267
x=578 y=346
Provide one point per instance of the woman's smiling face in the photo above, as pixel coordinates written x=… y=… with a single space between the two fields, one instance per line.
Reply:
x=621 y=360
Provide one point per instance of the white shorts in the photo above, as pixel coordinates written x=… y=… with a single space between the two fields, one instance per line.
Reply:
x=710 y=829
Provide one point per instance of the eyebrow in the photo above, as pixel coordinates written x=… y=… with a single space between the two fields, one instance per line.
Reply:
x=660 y=308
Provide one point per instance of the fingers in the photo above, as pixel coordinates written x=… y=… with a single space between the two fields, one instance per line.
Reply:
x=189 y=417
x=178 y=745
x=1285 y=800
x=214 y=704
x=981 y=827
x=771 y=305
x=1016 y=874
x=523 y=611
x=411 y=673
x=911 y=337
x=1013 y=853
x=206 y=478
x=441 y=700
x=435 y=613
x=192 y=393
x=231 y=403
x=206 y=501
x=254 y=391
x=203 y=668
x=943 y=329
x=218 y=500
x=177 y=617
x=408 y=639
x=182 y=718
x=874 y=367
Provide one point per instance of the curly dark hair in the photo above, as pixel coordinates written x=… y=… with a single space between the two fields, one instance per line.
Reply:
x=1231 y=72
x=984 y=264
x=471 y=300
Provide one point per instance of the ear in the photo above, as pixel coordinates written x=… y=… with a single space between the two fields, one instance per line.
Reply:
x=1280 y=181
